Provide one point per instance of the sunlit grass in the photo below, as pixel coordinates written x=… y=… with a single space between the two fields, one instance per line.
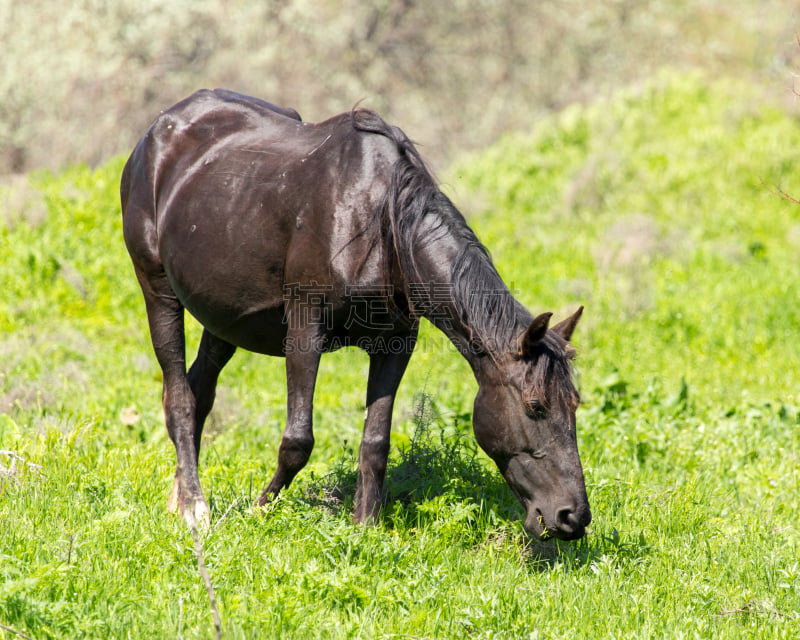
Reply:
x=647 y=209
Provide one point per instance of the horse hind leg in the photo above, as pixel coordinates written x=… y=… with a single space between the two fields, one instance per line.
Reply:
x=212 y=355
x=165 y=317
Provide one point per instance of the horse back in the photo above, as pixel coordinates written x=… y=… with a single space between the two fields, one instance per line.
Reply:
x=236 y=200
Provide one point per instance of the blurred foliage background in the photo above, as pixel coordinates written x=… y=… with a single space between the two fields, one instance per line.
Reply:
x=81 y=81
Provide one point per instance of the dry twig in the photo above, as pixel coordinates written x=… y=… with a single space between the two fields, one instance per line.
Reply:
x=12 y=470
x=14 y=631
x=201 y=565
x=777 y=191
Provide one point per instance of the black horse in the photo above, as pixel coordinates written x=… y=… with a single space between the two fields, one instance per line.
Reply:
x=292 y=239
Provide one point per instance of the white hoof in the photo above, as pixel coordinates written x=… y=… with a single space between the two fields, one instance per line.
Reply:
x=198 y=515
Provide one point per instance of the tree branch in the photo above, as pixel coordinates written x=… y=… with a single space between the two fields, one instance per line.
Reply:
x=201 y=565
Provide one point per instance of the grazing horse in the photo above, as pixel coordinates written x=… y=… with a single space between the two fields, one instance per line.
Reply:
x=291 y=239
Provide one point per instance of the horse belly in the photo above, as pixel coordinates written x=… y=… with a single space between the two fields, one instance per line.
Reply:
x=261 y=331
x=225 y=262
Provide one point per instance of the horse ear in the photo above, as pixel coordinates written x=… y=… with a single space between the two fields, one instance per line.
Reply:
x=533 y=334
x=566 y=327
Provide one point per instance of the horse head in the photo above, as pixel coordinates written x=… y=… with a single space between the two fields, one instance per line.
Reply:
x=524 y=419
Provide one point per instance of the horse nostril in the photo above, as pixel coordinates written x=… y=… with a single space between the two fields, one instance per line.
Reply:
x=570 y=520
x=566 y=519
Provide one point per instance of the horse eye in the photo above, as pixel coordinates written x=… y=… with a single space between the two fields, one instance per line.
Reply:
x=535 y=410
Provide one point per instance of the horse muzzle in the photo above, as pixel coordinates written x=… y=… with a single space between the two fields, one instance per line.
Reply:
x=563 y=523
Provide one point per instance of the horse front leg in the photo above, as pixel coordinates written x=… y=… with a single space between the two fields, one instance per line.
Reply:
x=385 y=372
x=303 y=353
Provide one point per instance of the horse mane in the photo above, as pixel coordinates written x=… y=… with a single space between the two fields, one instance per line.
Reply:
x=417 y=214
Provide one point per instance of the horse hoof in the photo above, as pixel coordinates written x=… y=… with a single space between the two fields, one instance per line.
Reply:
x=197 y=515
x=265 y=498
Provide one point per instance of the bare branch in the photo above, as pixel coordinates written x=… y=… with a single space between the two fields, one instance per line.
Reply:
x=201 y=565
x=224 y=515
x=777 y=191
x=15 y=632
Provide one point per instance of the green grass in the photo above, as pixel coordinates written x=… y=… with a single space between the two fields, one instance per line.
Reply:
x=648 y=208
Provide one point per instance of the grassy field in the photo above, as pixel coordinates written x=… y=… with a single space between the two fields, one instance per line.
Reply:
x=655 y=209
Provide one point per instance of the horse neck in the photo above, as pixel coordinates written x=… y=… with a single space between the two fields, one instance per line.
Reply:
x=457 y=288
